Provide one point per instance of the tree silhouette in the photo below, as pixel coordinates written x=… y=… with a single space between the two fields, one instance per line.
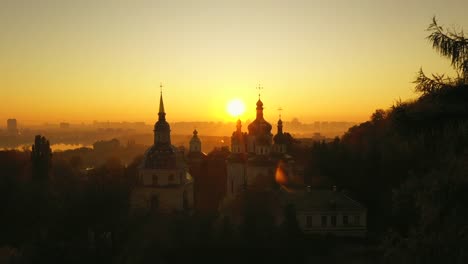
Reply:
x=41 y=157
x=451 y=44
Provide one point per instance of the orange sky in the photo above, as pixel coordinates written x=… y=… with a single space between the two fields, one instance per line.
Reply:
x=329 y=60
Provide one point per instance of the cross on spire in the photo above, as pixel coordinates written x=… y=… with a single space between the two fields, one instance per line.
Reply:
x=279 y=111
x=259 y=88
x=161 y=103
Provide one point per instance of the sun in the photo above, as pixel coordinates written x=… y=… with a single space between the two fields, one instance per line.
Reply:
x=235 y=107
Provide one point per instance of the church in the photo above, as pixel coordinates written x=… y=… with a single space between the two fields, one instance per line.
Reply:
x=256 y=155
x=165 y=180
x=164 y=183
x=257 y=163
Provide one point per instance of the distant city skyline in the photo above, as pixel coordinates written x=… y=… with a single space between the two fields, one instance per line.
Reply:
x=79 y=61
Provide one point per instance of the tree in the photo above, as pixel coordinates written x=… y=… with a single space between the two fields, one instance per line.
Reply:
x=41 y=157
x=451 y=44
x=378 y=116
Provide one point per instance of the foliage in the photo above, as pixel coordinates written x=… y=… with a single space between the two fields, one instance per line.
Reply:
x=452 y=45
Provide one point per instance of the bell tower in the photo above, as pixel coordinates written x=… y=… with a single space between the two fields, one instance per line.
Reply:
x=162 y=130
x=195 y=142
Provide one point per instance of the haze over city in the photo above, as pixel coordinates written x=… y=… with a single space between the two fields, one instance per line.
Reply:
x=79 y=61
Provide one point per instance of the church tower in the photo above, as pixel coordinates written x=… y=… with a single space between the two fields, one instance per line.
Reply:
x=236 y=162
x=238 y=142
x=280 y=139
x=260 y=137
x=164 y=183
x=196 y=164
x=195 y=142
x=162 y=130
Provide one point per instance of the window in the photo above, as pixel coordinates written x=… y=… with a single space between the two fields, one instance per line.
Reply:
x=171 y=177
x=324 y=220
x=309 y=221
x=333 y=220
x=155 y=179
x=357 y=220
x=345 y=220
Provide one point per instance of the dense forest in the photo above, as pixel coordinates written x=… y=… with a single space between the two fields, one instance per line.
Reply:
x=408 y=165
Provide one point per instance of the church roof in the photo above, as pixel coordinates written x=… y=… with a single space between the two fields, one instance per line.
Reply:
x=320 y=199
x=280 y=138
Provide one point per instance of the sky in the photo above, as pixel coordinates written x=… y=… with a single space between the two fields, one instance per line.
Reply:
x=330 y=60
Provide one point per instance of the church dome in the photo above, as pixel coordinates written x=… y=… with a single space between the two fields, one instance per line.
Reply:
x=259 y=103
x=280 y=138
x=162 y=125
x=259 y=127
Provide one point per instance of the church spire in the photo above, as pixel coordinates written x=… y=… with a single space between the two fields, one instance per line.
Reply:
x=280 y=122
x=162 y=130
x=162 y=113
x=259 y=104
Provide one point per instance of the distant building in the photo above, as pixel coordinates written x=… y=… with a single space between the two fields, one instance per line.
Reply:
x=164 y=183
x=12 y=126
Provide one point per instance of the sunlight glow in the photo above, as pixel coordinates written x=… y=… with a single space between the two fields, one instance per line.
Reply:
x=236 y=107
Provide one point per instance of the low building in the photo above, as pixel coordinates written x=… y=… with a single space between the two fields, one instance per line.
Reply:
x=321 y=211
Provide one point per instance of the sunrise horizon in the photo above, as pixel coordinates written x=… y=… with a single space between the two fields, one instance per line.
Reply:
x=317 y=60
